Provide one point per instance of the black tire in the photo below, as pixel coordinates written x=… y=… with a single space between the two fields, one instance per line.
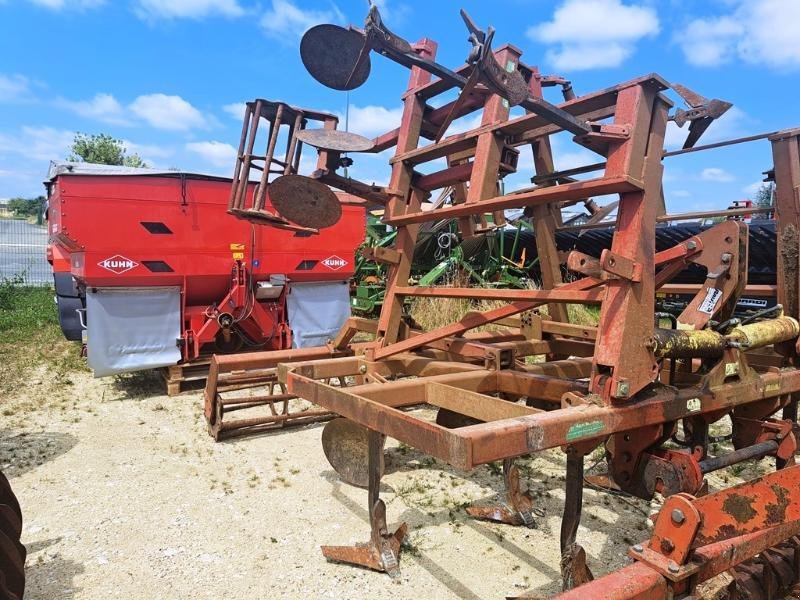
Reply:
x=12 y=552
x=69 y=300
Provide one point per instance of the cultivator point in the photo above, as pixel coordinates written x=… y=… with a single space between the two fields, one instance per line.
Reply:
x=644 y=387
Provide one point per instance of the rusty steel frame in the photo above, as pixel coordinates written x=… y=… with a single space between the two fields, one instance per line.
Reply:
x=626 y=383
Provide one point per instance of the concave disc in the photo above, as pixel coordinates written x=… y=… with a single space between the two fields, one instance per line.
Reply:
x=333 y=139
x=305 y=201
x=346 y=446
x=330 y=52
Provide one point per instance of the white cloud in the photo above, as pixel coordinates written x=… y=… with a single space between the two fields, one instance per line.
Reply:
x=286 y=22
x=68 y=4
x=709 y=42
x=158 y=110
x=149 y=152
x=14 y=88
x=391 y=12
x=192 y=9
x=371 y=120
x=752 y=189
x=716 y=174
x=103 y=107
x=167 y=112
x=590 y=34
x=235 y=110
x=216 y=153
x=758 y=32
x=38 y=143
x=681 y=193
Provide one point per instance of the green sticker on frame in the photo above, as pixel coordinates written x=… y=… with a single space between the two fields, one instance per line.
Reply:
x=580 y=430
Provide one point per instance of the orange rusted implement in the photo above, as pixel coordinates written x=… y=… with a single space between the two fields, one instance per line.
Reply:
x=645 y=392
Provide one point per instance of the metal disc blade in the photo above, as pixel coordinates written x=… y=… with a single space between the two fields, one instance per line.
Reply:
x=333 y=139
x=330 y=53
x=346 y=445
x=305 y=201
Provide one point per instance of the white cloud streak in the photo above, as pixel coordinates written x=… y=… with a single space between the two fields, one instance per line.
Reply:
x=716 y=174
x=187 y=9
x=286 y=22
x=757 y=32
x=591 y=34
x=68 y=4
x=219 y=154
x=172 y=113
x=103 y=107
x=14 y=88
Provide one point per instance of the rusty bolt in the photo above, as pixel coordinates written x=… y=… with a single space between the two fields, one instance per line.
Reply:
x=677 y=516
x=691 y=245
x=362 y=369
x=673 y=567
x=638 y=548
x=726 y=258
x=667 y=545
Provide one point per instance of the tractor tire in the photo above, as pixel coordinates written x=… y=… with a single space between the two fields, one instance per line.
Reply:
x=12 y=552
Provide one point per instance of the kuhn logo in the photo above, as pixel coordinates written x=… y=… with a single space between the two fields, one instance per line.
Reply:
x=118 y=264
x=334 y=263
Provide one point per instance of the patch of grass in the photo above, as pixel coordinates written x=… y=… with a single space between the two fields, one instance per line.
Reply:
x=30 y=336
x=24 y=310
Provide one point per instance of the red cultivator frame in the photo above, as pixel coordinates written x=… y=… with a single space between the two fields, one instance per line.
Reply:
x=629 y=383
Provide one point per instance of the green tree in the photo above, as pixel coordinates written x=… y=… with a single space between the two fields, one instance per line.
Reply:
x=764 y=195
x=102 y=149
x=26 y=207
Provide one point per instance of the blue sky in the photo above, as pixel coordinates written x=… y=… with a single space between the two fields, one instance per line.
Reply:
x=168 y=76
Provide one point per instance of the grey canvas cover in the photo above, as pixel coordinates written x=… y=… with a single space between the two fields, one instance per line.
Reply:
x=317 y=311
x=130 y=329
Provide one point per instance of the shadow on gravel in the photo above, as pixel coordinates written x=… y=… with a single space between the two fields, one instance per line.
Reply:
x=23 y=452
x=139 y=385
x=48 y=574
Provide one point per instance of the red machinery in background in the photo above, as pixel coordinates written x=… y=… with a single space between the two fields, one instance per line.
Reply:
x=150 y=270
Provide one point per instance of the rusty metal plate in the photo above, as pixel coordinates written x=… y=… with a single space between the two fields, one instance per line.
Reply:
x=345 y=444
x=330 y=53
x=305 y=201
x=333 y=139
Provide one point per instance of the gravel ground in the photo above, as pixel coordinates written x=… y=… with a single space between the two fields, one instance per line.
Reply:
x=125 y=495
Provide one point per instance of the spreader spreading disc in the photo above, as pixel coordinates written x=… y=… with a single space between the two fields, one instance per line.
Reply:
x=346 y=445
x=330 y=52
x=305 y=201
x=333 y=139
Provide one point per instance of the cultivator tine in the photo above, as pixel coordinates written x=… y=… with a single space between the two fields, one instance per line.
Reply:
x=382 y=552
x=574 y=571
x=503 y=80
x=486 y=70
x=519 y=506
x=383 y=557
x=700 y=115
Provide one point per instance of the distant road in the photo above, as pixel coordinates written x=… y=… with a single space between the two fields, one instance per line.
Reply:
x=22 y=252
